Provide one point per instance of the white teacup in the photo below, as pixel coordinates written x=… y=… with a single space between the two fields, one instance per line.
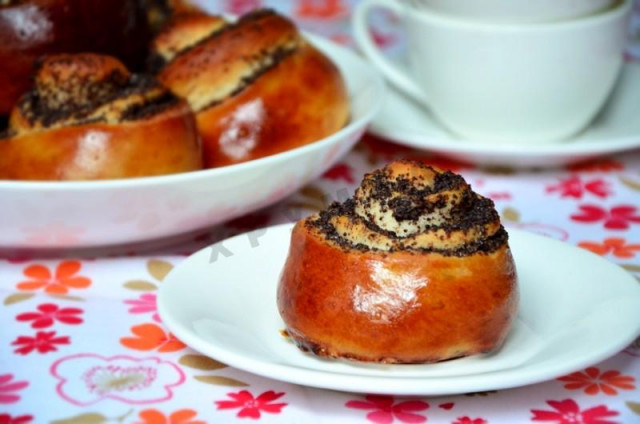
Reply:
x=514 y=10
x=504 y=83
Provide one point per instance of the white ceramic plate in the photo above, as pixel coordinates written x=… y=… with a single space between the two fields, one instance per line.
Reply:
x=616 y=129
x=576 y=309
x=100 y=213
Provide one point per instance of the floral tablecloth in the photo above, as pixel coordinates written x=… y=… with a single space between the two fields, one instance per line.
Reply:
x=81 y=340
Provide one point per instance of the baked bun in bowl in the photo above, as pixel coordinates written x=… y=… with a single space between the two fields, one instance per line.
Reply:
x=167 y=209
x=416 y=268
x=88 y=118
x=257 y=86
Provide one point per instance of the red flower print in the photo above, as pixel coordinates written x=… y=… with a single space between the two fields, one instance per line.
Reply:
x=576 y=188
x=594 y=382
x=182 y=416
x=59 y=282
x=616 y=218
x=144 y=304
x=152 y=337
x=9 y=388
x=43 y=342
x=48 y=313
x=467 y=420
x=251 y=407
x=568 y=412
x=321 y=9
x=614 y=245
x=385 y=411
x=22 y=419
x=340 y=171
x=604 y=165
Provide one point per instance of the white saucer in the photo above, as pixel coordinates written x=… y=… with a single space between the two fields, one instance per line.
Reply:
x=576 y=310
x=616 y=129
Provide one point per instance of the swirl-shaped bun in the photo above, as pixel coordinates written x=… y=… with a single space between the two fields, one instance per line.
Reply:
x=415 y=268
x=257 y=86
x=87 y=117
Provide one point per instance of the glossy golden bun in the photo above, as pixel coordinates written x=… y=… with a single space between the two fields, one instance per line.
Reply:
x=415 y=268
x=87 y=117
x=257 y=86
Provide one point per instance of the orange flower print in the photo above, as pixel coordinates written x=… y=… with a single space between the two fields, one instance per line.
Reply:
x=59 y=282
x=594 y=382
x=602 y=165
x=618 y=247
x=152 y=337
x=182 y=416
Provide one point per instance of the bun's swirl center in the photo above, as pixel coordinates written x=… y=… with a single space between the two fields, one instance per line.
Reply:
x=411 y=206
x=77 y=89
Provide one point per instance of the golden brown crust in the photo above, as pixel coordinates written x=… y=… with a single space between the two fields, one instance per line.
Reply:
x=159 y=12
x=183 y=32
x=89 y=118
x=216 y=66
x=399 y=302
x=257 y=86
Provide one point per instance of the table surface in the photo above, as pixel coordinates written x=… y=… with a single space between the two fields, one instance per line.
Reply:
x=81 y=340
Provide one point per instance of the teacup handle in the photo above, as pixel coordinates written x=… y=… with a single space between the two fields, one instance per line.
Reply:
x=391 y=71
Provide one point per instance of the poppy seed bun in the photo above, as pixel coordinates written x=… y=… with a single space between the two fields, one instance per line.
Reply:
x=256 y=85
x=415 y=268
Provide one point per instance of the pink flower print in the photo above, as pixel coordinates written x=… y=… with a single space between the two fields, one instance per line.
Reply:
x=381 y=39
x=467 y=420
x=22 y=419
x=48 y=313
x=385 y=411
x=146 y=303
x=340 y=171
x=43 y=342
x=499 y=195
x=251 y=407
x=241 y=7
x=576 y=188
x=617 y=218
x=9 y=388
x=88 y=378
x=568 y=412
